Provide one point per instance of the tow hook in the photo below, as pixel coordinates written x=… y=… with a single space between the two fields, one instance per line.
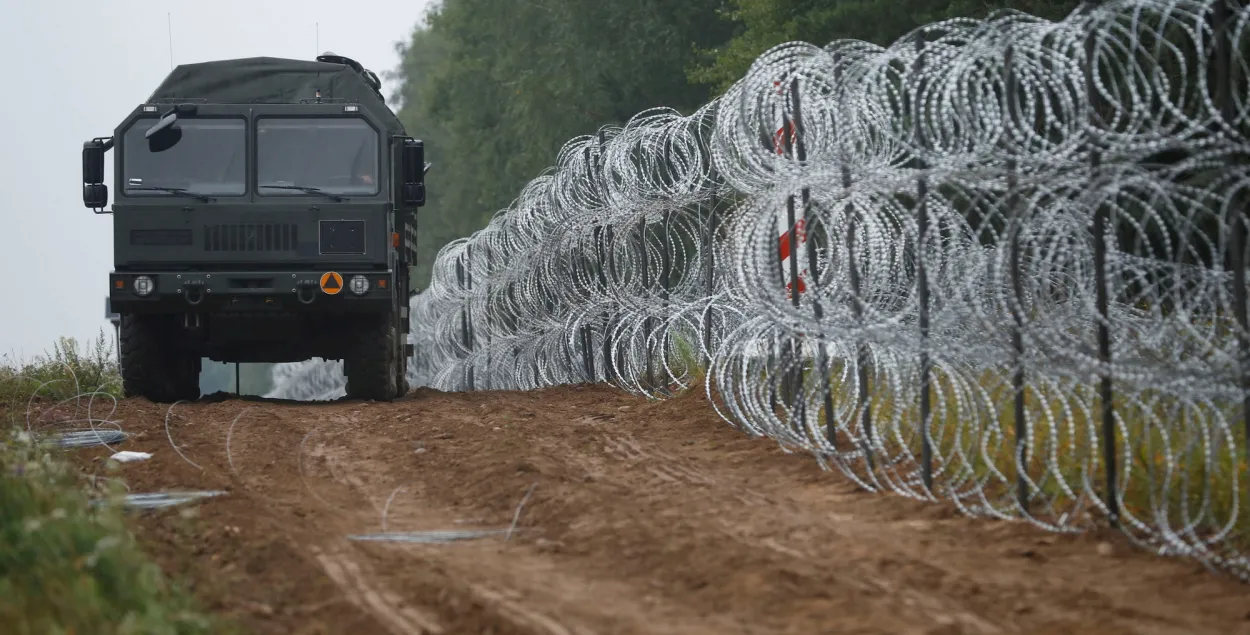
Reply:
x=195 y=295
x=306 y=294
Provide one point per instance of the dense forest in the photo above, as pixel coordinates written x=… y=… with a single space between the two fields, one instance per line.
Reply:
x=495 y=87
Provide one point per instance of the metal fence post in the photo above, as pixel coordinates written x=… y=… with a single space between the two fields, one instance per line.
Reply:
x=666 y=269
x=1234 y=216
x=646 y=287
x=465 y=274
x=1102 y=226
x=709 y=272
x=787 y=352
x=1016 y=220
x=922 y=282
x=490 y=374
x=791 y=349
x=601 y=266
x=863 y=355
x=813 y=261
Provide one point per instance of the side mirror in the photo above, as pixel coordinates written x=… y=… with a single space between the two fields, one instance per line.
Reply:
x=412 y=172
x=414 y=194
x=93 y=161
x=95 y=194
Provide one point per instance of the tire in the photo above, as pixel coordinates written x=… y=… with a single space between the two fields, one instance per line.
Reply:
x=153 y=366
x=371 y=365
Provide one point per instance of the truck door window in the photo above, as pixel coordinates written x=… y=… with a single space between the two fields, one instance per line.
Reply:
x=210 y=160
x=338 y=155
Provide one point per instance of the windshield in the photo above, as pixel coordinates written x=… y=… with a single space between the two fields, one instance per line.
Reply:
x=209 y=160
x=307 y=156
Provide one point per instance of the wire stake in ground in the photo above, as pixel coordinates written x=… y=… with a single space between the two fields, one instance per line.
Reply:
x=517 y=515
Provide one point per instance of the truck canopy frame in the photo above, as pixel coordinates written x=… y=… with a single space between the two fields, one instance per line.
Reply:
x=271 y=80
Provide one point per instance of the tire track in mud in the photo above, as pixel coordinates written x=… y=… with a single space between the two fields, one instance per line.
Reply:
x=644 y=518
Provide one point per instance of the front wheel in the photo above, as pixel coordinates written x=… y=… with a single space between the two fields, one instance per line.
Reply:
x=371 y=366
x=153 y=365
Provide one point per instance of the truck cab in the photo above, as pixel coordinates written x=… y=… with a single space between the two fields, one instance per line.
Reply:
x=265 y=212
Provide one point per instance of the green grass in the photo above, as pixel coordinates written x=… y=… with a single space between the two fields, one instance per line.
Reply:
x=67 y=566
x=686 y=361
x=62 y=373
x=1173 y=465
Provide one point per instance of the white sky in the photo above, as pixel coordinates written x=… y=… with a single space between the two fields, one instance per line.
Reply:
x=72 y=70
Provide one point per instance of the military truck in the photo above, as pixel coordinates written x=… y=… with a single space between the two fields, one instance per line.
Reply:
x=265 y=212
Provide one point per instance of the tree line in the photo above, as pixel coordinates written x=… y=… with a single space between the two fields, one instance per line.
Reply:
x=496 y=87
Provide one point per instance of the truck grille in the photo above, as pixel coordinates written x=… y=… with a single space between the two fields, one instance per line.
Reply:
x=251 y=237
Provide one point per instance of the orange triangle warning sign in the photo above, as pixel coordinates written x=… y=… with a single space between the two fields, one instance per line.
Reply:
x=331 y=282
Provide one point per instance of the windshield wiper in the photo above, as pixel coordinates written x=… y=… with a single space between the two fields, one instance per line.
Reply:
x=307 y=190
x=181 y=191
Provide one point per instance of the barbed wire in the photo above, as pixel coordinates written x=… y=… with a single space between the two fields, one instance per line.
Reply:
x=1001 y=262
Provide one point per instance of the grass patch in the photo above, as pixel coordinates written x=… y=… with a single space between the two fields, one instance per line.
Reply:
x=65 y=372
x=685 y=361
x=1180 y=464
x=68 y=566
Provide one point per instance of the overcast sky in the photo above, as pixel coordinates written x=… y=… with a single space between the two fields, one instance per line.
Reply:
x=72 y=70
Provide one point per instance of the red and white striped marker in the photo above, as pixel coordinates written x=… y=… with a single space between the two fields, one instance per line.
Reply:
x=800 y=232
x=779 y=145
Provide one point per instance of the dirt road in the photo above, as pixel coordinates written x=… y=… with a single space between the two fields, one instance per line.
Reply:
x=640 y=518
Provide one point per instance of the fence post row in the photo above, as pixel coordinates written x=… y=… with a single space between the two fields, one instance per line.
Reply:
x=1004 y=221
x=922 y=274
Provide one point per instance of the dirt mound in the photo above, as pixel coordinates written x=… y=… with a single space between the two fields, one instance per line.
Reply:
x=638 y=517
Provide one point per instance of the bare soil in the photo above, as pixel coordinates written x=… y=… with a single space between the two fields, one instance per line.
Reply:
x=641 y=517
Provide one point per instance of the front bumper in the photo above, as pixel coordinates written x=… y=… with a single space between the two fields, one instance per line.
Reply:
x=249 y=291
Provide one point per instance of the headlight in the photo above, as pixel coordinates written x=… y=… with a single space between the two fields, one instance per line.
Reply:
x=144 y=286
x=359 y=285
